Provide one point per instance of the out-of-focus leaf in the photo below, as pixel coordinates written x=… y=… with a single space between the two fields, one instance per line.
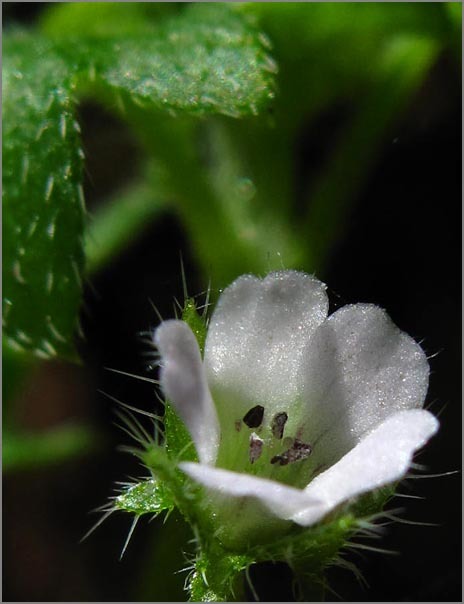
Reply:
x=43 y=205
x=454 y=10
x=23 y=451
x=208 y=60
x=102 y=19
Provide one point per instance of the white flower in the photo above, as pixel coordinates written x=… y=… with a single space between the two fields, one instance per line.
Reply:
x=293 y=412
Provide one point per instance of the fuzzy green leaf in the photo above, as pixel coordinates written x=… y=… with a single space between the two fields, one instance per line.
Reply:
x=43 y=209
x=147 y=497
x=206 y=61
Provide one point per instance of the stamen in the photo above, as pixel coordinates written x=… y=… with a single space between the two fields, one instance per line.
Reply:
x=254 y=417
x=256 y=447
x=238 y=425
x=277 y=426
x=299 y=451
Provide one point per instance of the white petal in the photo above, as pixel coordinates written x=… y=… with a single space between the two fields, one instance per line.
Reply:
x=184 y=383
x=256 y=338
x=283 y=501
x=358 y=369
x=381 y=458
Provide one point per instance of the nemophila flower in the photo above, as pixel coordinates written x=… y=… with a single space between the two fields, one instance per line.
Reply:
x=294 y=414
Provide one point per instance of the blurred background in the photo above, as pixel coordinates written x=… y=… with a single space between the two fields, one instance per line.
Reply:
x=396 y=244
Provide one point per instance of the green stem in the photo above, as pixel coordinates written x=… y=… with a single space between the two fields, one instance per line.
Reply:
x=218 y=576
x=228 y=240
x=251 y=175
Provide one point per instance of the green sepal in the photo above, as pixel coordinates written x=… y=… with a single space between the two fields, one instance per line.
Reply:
x=308 y=551
x=164 y=469
x=196 y=322
x=179 y=443
x=373 y=502
x=147 y=497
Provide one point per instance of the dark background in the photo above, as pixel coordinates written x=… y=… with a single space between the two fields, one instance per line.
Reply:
x=401 y=250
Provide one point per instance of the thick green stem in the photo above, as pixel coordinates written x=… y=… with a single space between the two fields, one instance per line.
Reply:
x=218 y=576
x=230 y=236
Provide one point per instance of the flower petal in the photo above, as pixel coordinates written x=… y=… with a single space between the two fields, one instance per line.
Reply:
x=283 y=501
x=184 y=383
x=256 y=338
x=382 y=457
x=358 y=369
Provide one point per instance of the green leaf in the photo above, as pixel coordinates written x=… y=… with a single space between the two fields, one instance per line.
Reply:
x=206 y=61
x=147 y=497
x=43 y=206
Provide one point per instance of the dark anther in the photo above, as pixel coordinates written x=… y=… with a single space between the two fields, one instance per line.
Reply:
x=297 y=452
x=254 y=417
x=278 y=422
x=256 y=447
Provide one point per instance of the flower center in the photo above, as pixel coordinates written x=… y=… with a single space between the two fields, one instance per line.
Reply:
x=296 y=449
x=261 y=447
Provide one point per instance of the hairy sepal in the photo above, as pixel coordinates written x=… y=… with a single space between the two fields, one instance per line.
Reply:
x=146 y=497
